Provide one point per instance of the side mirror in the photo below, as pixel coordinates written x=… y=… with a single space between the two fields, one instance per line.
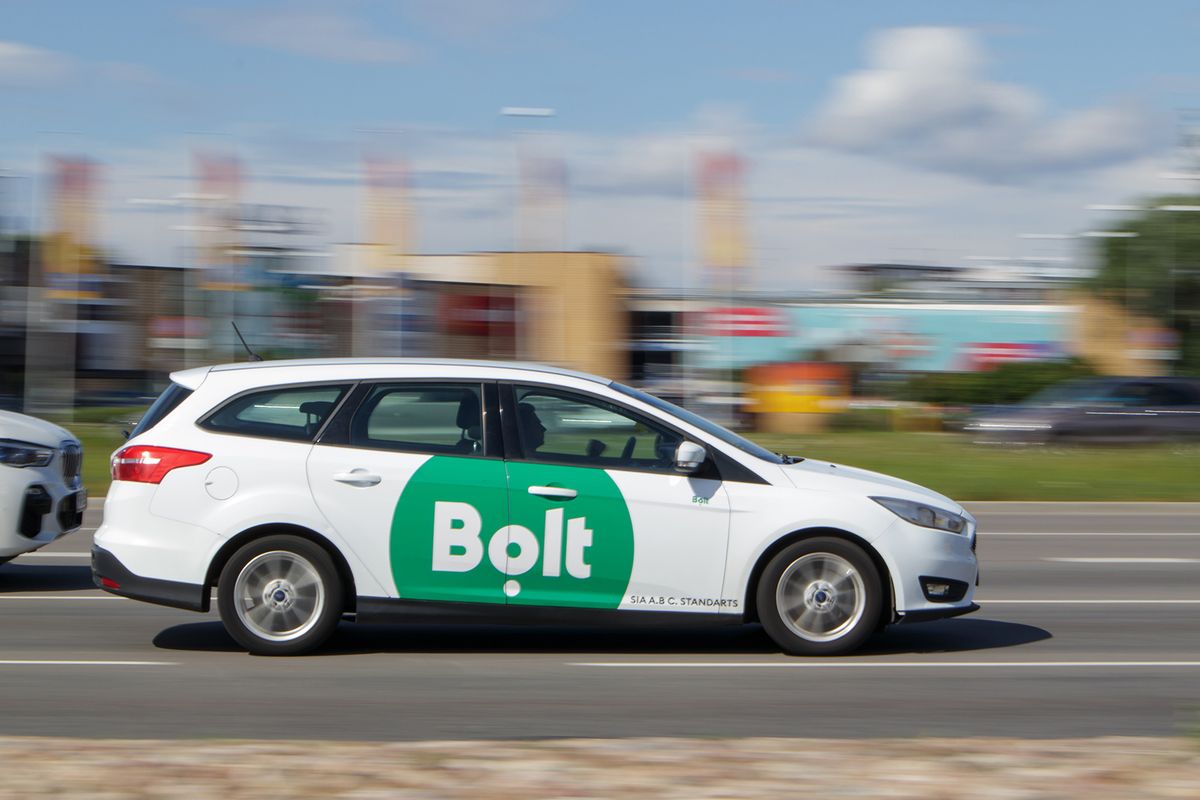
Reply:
x=689 y=456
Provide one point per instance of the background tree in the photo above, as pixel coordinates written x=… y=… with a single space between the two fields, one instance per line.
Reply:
x=1157 y=273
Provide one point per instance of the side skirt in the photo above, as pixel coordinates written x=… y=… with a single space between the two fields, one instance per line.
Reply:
x=394 y=610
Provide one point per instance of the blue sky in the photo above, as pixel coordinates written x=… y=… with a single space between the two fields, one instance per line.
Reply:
x=871 y=130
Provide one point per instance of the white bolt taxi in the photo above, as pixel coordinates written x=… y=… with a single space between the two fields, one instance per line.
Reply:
x=41 y=494
x=385 y=489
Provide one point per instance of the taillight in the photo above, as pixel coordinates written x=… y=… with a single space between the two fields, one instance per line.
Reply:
x=149 y=464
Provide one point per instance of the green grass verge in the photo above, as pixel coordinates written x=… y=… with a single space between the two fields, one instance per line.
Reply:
x=945 y=462
x=951 y=464
x=99 y=441
x=99 y=430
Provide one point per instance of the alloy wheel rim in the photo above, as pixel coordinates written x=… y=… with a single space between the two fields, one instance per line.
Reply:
x=279 y=595
x=820 y=597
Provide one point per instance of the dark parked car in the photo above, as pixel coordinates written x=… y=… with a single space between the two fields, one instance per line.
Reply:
x=1097 y=410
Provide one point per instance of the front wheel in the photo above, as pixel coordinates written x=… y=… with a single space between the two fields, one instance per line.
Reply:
x=820 y=597
x=280 y=596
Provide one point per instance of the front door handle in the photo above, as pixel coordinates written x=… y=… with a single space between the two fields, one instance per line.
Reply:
x=357 y=477
x=556 y=492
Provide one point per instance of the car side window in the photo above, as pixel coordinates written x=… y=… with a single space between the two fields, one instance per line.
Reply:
x=294 y=413
x=1162 y=395
x=421 y=418
x=563 y=427
x=1146 y=395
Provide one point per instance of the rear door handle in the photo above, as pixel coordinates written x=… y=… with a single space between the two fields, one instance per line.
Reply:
x=557 y=492
x=357 y=477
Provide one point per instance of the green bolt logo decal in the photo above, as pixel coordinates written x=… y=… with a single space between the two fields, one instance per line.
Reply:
x=460 y=534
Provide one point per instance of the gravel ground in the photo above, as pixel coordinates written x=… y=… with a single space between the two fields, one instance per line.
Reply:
x=929 y=769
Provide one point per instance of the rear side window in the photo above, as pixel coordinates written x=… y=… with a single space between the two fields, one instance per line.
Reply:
x=171 y=397
x=293 y=413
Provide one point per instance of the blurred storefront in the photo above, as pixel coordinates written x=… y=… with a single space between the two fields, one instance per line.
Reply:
x=795 y=398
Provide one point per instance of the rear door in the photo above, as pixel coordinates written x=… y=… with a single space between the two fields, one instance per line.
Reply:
x=411 y=476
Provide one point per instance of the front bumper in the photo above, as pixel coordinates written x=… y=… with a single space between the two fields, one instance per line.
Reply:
x=36 y=507
x=930 y=614
x=109 y=574
x=918 y=556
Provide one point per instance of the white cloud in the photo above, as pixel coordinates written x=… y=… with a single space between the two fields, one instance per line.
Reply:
x=323 y=34
x=26 y=67
x=924 y=100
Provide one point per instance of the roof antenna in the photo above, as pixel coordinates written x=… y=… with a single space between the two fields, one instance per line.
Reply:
x=253 y=355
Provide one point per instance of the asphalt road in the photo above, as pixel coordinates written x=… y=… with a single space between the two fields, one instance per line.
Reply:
x=1090 y=626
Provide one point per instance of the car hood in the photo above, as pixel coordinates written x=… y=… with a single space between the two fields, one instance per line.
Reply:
x=25 y=428
x=824 y=476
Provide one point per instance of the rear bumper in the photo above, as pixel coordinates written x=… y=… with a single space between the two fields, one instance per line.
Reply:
x=175 y=594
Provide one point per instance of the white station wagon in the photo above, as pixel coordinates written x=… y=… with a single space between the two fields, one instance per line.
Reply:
x=306 y=492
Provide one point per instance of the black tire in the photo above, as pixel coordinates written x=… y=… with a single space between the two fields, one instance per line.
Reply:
x=829 y=584
x=276 y=582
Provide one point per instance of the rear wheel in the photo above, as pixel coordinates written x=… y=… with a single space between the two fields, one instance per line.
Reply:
x=820 y=596
x=280 y=595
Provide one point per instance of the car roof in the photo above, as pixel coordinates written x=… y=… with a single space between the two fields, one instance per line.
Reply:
x=192 y=377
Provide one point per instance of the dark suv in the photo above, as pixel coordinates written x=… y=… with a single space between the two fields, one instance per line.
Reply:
x=1098 y=410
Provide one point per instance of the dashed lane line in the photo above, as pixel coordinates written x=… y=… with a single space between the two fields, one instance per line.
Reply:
x=1128 y=534
x=834 y=664
x=51 y=554
x=1121 y=560
x=57 y=663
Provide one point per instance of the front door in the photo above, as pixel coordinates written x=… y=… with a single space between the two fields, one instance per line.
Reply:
x=599 y=518
x=410 y=480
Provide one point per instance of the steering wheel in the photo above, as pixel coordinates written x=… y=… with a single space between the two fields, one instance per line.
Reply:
x=627 y=452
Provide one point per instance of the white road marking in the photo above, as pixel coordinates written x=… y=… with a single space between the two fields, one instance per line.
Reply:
x=1122 y=560
x=1111 y=602
x=44 y=554
x=1084 y=512
x=61 y=597
x=986 y=533
x=49 y=663
x=820 y=664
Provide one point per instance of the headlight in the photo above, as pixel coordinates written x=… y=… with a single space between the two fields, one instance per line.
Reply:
x=24 y=454
x=923 y=515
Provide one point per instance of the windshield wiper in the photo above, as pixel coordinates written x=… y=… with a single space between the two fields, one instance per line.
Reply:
x=790 y=459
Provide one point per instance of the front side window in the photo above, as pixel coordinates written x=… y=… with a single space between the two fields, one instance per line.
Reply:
x=294 y=413
x=562 y=427
x=1164 y=395
x=708 y=426
x=422 y=418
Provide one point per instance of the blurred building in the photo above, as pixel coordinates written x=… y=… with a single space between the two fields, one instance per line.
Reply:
x=563 y=308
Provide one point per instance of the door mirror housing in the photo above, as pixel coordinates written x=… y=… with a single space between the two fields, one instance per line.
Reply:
x=689 y=456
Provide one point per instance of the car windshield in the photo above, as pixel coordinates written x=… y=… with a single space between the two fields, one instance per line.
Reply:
x=708 y=426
